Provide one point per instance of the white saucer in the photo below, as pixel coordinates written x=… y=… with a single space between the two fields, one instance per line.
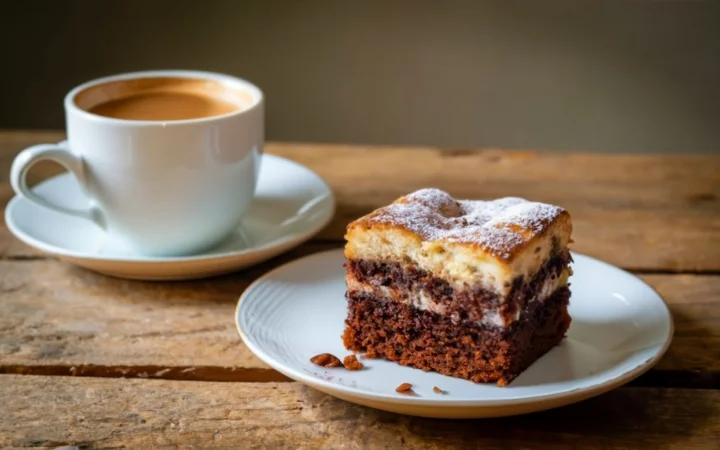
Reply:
x=292 y=203
x=621 y=327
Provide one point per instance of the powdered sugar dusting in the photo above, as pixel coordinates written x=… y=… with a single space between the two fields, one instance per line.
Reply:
x=498 y=226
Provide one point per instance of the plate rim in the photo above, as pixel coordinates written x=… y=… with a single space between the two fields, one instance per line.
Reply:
x=285 y=239
x=573 y=395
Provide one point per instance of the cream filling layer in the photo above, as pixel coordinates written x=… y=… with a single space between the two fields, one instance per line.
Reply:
x=424 y=300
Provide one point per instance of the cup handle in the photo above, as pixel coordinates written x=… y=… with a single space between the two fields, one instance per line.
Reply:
x=61 y=155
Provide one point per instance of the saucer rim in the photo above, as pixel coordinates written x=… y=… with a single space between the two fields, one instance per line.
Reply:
x=282 y=240
x=359 y=395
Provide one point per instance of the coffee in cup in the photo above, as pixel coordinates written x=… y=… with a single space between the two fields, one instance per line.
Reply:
x=169 y=159
x=163 y=99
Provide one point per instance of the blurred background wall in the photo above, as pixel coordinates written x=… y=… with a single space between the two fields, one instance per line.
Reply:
x=612 y=76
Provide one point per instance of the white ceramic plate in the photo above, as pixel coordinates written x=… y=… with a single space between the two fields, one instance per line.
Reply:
x=292 y=203
x=621 y=327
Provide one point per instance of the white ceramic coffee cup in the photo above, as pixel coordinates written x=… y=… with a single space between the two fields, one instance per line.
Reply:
x=159 y=188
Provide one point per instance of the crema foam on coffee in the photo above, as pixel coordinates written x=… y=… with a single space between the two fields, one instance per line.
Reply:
x=163 y=99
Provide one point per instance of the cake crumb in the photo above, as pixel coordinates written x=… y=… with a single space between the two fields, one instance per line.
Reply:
x=405 y=388
x=351 y=363
x=326 y=360
x=437 y=390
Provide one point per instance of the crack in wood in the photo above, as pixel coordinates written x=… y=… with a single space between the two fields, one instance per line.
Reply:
x=692 y=379
x=24 y=258
x=43 y=443
x=60 y=445
x=689 y=379
x=641 y=271
x=8 y=290
x=180 y=373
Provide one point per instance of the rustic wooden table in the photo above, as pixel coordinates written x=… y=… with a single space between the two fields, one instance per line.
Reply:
x=98 y=362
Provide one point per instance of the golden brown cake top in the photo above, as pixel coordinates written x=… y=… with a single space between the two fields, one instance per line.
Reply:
x=501 y=227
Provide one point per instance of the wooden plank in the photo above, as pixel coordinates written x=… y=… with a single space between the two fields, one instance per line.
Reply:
x=61 y=319
x=48 y=412
x=695 y=304
x=639 y=212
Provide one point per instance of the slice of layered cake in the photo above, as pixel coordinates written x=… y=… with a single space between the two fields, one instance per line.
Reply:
x=471 y=289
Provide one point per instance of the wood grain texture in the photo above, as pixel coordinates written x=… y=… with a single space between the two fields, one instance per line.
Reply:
x=61 y=319
x=638 y=212
x=649 y=213
x=47 y=412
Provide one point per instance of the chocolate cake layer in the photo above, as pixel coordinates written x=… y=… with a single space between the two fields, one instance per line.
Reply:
x=428 y=341
x=469 y=304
